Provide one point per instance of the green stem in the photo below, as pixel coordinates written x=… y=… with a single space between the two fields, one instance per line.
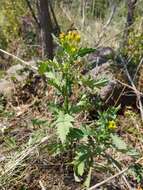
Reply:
x=66 y=104
x=66 y=98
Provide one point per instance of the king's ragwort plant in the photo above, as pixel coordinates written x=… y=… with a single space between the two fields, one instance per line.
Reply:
x=86 y=140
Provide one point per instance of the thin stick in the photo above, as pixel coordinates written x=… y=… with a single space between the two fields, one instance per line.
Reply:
x=108 y=179
x=19 y=59
x=135 y=89
x=124 y=178
x=114 y=176
x=129 y=86
x=139 y=65
x=33 y=13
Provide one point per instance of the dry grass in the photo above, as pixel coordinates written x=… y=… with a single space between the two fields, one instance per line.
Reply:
x=92 y=28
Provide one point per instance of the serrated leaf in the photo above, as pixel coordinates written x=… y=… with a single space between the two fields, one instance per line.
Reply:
x=119 y=143
x=63 y=124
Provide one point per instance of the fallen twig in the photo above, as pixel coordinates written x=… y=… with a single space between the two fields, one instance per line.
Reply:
x=128 y=86
x=134 y=88
x=124 y=178
x=25 y=63
x=114 y=176
x=139 y=65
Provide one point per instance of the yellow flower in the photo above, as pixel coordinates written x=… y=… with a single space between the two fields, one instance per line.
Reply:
x=73 y=36
x=70 y=41
x=62 y=35
x=69 y=36
x=112 y=125
x=77 y=38
x=62 y=38
x=73 y=49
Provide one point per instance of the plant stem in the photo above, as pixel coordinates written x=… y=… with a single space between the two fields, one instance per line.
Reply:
x=66 y=102
x=66 y=98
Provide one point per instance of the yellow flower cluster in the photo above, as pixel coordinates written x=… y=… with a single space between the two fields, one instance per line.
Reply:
x=70 y=41
x=112 y=125
x=70 y=37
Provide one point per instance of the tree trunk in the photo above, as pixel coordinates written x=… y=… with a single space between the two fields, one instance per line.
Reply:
x=46 y=27
x=131 y=8
x=131 y=4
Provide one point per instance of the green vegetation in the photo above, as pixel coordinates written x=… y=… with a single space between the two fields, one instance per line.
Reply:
x=56 y=129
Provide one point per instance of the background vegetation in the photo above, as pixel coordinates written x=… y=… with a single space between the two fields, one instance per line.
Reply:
x=58 y=130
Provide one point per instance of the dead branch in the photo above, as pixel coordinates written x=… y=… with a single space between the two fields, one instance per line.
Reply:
x=139 y=65
x=33 y=13
x=134 y=88
x=114 y=176
x=25 y=63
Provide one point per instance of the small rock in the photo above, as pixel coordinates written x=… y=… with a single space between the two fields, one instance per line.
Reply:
x=6 y=87
x=14 y=72
x=2 y=158
x=104 y=71
x=100 y=56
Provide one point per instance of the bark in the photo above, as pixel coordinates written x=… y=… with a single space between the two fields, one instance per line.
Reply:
x=32 y=12
x=46 y=27
x=131 y=9
x=131 y=4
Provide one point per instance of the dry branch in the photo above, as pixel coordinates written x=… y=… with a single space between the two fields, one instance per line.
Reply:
x=114 y=176
x=25 y=63
x=134 y=88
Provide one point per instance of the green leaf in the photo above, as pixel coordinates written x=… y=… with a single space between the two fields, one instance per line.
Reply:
x=54 y=84
x=50 y=75
x=54 y=80
x=132 y=152
x=81 y=160
x=76 y=133
x=43 y=67
x=119 y=143
x=100 y=83
x=84 y=51
x=89 y=82
x=80 y=168
x=39 y=122
x=63 y=124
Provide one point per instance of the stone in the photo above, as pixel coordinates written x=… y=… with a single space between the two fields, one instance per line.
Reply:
x=6 y=87
x=14 y=72
x=104 y=71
